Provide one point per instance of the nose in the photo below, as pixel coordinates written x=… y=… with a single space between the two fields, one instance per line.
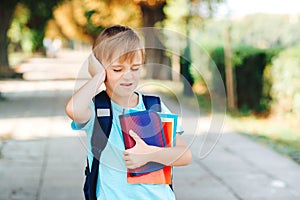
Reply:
x=128 y=75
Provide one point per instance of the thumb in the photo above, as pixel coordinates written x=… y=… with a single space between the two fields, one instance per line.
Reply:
x=134 y=135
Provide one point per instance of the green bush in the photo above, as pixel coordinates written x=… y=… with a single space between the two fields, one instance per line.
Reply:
x=285 y=75
x=249 y=64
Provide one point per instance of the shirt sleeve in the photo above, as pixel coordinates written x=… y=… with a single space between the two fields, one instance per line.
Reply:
x=165 y=110
x=85 y=126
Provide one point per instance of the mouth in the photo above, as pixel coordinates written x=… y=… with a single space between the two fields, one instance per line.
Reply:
x=126 y=84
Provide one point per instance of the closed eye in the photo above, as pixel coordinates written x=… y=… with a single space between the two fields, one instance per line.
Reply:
x=117 y=70
x=135 y=67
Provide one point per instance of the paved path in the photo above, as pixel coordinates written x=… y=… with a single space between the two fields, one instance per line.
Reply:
x=41 y=158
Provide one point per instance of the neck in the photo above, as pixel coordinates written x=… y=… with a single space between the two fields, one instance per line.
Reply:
x=124 y=101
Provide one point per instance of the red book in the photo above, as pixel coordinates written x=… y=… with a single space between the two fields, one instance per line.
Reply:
x=164 y=175
x=148 y=126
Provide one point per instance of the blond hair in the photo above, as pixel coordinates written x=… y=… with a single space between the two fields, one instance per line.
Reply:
x=117 y=43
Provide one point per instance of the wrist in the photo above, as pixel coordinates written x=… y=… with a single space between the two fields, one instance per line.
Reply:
x=99 y=79
x=153 y=153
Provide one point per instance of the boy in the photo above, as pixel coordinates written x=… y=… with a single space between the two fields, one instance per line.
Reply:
x=116 y=60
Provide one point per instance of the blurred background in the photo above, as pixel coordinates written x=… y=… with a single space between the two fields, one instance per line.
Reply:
x=255 y=46
x=261 y=38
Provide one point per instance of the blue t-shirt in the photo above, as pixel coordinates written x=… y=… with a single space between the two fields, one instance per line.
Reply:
x=113 y=181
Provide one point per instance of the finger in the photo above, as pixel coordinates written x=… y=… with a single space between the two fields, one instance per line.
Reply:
x=127 y=152
x=128 y=163
x=131 y=166
x=95 y=62
x=134 y=135
x=126 y=158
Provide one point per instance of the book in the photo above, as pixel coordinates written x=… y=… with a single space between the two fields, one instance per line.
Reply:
x=169 y=122
x=163 y=175
x=148 y=126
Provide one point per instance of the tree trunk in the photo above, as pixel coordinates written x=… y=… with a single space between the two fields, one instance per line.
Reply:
x=186 y=59
x=6 y=13
x=158 y=64
x=185 y=66
x=230 y=82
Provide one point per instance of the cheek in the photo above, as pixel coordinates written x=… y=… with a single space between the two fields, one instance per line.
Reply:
x=136 y=75
x=112 y=78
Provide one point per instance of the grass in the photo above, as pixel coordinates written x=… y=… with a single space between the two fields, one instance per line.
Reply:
x=278 y=133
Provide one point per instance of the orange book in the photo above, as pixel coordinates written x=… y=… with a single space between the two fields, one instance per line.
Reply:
x=164 y=175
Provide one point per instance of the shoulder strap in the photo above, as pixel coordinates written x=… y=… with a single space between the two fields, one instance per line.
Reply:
x=152 y=103
x=102 y=128
x=98 y=142
x=90 y=185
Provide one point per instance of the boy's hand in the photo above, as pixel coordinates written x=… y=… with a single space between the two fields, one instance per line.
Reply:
x=95 y=67
x=138 y=155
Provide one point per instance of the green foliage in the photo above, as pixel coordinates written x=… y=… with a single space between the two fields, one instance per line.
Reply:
x=258 y=30
x=285 y=74
x=27 y=28
x=249 y=65
x=40 y=13
x=90 y=28
x=269 y=31
x=185 y=16
x=19 y=34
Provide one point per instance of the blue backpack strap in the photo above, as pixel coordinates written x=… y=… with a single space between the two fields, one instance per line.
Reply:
x=102 y=128
x=90 y=185
x=98 y=142
x=152 y=103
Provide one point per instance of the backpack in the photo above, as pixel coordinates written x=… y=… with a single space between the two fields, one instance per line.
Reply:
x=100 y=136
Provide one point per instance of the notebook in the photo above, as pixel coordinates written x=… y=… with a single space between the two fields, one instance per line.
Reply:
x=163 y=175
x=148 y=126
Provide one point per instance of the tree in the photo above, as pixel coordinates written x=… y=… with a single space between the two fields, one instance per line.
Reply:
x=185 y=16
x=40 y=13
x=84 y=20
x=152 y=12
x=6 y=13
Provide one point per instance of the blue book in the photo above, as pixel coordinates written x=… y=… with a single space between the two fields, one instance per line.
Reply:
x=148 y=126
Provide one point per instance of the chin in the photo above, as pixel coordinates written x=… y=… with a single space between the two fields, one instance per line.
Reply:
x=124 y=93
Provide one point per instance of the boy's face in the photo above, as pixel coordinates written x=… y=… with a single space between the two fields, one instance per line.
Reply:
x=122 y=77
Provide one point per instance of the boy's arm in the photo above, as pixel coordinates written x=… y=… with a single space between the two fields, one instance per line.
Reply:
x=142 y=153
x=78 y=106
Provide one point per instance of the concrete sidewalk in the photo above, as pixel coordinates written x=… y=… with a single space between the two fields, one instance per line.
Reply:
x=41 y=158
